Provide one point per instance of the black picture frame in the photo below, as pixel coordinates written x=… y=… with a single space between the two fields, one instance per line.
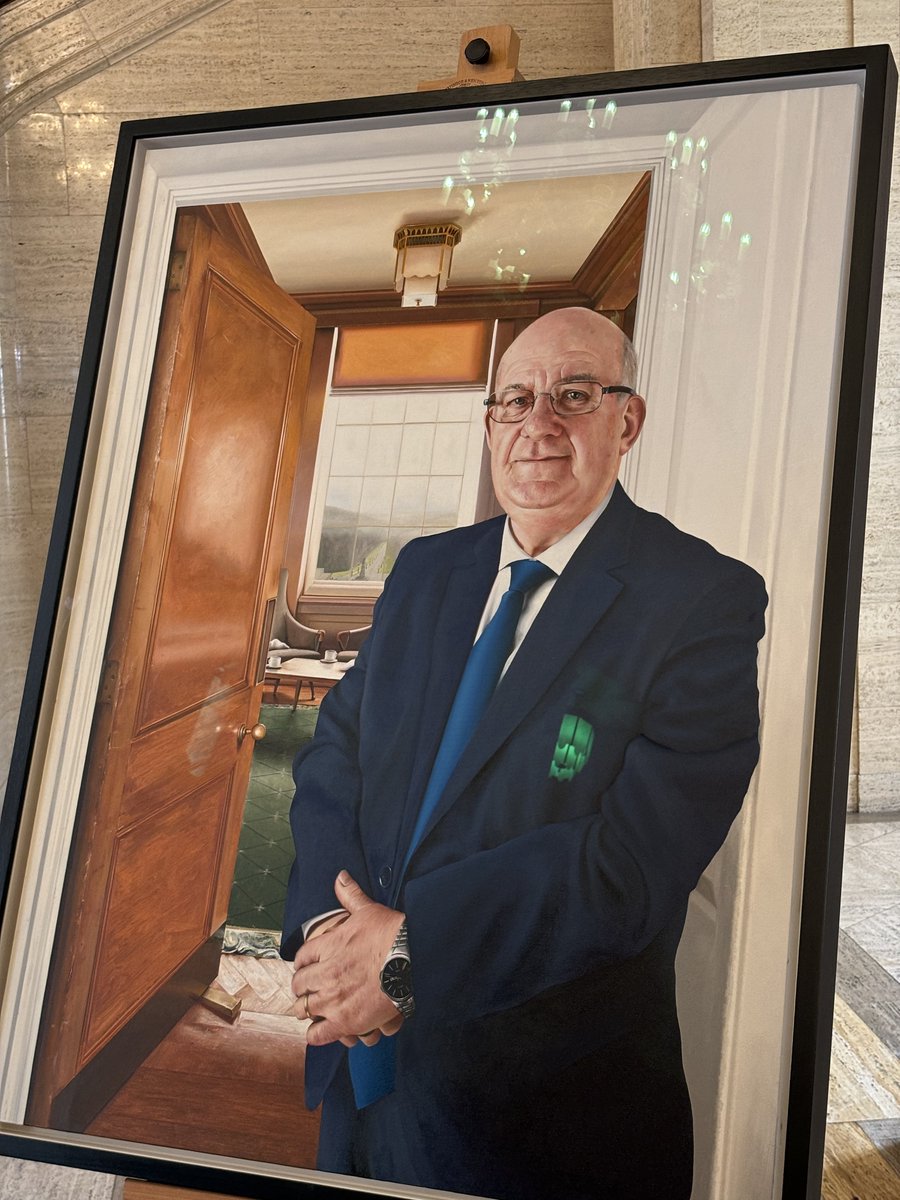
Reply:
x=873 y=67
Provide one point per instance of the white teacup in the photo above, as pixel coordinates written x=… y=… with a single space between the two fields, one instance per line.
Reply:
x=273 y=661
x=330 y=656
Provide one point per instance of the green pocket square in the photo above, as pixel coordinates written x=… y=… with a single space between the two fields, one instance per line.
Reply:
x=573 y=747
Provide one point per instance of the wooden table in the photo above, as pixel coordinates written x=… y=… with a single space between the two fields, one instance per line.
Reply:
x=297 y=671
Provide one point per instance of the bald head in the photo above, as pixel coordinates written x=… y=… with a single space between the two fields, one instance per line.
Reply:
x=578 y=327
x=551 y=470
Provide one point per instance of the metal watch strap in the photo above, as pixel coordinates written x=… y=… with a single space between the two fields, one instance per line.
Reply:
x=400 y=949
x=401 y=943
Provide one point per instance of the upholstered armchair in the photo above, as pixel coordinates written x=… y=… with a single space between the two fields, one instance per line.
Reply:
x=350 y=640
x=298 y=640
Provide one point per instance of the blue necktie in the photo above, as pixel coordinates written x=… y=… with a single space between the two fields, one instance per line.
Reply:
x=372 y=1067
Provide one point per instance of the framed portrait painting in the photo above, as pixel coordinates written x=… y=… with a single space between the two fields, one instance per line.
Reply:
x=305 y=320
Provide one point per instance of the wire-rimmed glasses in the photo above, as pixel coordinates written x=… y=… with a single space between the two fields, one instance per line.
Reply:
x=568 y=398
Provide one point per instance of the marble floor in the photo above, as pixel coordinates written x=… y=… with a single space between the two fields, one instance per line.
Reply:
x=862 y=1150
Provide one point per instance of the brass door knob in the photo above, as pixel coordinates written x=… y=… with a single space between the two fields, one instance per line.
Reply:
x=257 y=732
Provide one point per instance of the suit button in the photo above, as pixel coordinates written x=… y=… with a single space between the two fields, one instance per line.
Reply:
x=385 y=875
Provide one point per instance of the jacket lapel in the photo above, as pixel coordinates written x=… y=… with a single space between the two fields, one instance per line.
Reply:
x=583 y=593
x=465 y=590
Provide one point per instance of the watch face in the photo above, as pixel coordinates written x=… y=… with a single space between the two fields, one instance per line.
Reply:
x=396 y=978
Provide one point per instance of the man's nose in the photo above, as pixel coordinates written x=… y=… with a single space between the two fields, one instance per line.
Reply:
x=543 y=420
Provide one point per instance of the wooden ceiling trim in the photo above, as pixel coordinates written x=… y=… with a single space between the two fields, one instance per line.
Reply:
x=462 y=303
x=610 y=274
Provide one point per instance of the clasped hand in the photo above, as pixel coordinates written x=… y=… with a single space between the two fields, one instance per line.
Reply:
x=337 y=971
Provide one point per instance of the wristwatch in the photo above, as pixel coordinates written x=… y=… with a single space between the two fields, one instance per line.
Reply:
x=396 y=974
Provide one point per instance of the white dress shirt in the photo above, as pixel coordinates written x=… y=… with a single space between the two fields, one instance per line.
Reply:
x=556 y=557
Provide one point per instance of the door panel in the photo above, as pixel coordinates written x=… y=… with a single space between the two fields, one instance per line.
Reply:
x=163 y=793
x=227 y=460
x=138 y=950
x=204 y=738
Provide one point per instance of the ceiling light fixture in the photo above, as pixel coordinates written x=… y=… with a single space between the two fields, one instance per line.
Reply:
x=424 y=254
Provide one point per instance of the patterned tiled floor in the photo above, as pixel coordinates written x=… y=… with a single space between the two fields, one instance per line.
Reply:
x=862 y=1152
x=266 y=849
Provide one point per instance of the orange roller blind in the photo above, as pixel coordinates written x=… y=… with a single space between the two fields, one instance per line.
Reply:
x=453 y=352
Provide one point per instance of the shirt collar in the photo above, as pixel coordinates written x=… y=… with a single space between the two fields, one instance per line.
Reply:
x=557 y=556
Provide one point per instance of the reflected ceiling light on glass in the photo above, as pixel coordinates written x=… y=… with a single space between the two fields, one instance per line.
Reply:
x=508 y=273
x=424 y=255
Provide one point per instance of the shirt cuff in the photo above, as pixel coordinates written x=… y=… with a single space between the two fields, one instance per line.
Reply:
x=308 y=926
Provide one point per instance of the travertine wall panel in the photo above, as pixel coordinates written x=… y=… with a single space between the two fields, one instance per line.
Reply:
x=212 y=63
x=741 y=28
x=796 y=25
x=90 y=144
x=651 y=33
x=123 y=28
x=36 y=151
x=45 y=44
x=875 y=21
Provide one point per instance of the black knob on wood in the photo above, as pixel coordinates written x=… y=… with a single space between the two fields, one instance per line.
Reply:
x=478 y=51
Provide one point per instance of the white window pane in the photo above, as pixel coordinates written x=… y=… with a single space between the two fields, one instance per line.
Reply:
x=348 y=456
x=392 y=467
x=409 y=500
x=388 y=410
x=455 y=408
x=335 y=553
x=354 y=410
x=442 y=501
x=421 y=408
x=376 y=500
x=368 y=554
x=384 y=450
x=450 y=443
x=397 y=539
x=342 y=500
x=415 y=450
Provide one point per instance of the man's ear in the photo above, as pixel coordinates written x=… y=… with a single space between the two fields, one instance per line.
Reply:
x=633 y=415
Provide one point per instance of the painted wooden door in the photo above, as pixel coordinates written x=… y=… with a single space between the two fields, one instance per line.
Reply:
x=160 y=814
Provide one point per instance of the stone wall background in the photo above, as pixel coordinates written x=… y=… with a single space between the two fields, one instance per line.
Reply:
x=72 y=70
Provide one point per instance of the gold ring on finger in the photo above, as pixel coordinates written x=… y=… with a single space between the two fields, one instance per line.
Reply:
x=309 y=1015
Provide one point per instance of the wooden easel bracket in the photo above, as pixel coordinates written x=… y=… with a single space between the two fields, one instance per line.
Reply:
x=488 y=54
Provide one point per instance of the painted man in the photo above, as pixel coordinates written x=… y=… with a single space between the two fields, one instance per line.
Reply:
x=544 y=741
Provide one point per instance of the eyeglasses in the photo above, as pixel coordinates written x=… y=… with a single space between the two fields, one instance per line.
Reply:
x=567 y=399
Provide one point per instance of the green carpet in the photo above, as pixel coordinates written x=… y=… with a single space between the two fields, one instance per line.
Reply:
x=266 y=849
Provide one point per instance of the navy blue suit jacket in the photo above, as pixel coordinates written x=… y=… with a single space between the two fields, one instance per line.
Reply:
x=544 y=912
